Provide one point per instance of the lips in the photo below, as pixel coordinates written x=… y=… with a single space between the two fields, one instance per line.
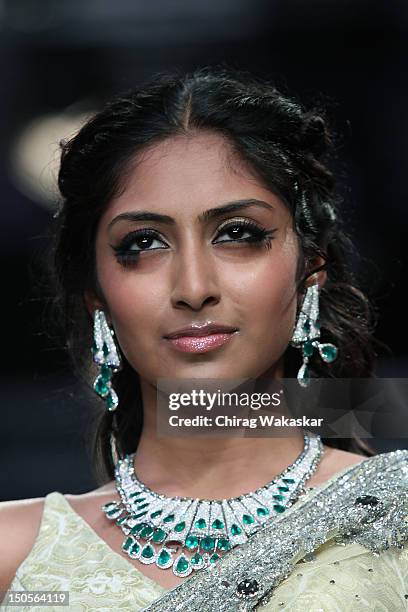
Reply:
x=202 y=330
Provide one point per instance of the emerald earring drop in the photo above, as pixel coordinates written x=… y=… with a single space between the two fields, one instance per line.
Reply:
x=106 y=356
x=307 y=333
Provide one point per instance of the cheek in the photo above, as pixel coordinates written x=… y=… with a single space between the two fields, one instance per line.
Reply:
x=135 y=308
x=277 y=311
x=268 y=302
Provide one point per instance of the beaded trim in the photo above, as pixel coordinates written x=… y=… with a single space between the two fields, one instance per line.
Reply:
x=368 y=504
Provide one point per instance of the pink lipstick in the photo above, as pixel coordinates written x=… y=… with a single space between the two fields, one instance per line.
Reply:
x=200 y=344
x=200 y=338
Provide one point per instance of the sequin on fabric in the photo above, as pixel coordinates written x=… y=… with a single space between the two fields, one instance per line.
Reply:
x=368 y=505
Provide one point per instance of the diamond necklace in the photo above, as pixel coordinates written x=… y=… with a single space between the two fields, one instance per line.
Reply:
x=202 y=527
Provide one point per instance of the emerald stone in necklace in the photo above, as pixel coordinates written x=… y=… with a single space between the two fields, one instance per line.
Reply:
x=188 y=534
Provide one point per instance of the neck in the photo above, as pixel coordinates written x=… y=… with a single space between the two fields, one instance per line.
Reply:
x=213 y=467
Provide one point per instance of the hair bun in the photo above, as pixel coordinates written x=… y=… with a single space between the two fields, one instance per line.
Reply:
x=315 y=135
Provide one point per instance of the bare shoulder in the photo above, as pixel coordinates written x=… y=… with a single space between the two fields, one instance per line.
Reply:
x=334 y=461
x=20 y=522
x=88 y=505
x=342 y=459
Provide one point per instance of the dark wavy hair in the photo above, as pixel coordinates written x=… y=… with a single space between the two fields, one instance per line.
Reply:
x=289 y=147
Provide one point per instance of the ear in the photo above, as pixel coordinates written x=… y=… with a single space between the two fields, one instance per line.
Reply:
x=319 y=277
x=92 y=303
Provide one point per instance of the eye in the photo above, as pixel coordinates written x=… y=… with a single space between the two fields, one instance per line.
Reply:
x=246 y=231
x=241 y=231
x=130 y=247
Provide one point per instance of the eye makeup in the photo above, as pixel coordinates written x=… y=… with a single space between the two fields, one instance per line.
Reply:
x=127 y=255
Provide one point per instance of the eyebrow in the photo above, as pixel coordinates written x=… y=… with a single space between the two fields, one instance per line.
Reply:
x=212 y=213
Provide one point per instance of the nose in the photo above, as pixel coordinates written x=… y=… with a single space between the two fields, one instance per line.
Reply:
x=195 y=280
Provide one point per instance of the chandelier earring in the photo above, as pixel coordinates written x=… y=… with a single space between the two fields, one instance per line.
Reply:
x=307 y=333
x=106 y=356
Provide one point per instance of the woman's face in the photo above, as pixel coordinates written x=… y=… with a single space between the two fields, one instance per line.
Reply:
x=193 y=269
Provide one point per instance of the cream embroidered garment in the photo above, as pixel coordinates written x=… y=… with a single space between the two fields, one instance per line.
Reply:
x=339 y=575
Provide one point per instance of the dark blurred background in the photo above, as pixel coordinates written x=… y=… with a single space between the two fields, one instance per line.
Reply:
x=60 y=59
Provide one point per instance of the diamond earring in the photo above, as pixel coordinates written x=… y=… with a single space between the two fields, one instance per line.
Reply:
x=106 y=356
x=307 y=333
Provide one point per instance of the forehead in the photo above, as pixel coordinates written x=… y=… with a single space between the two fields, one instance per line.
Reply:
x=184 y=175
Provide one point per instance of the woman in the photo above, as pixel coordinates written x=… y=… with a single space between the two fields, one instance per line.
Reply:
x=203 y=202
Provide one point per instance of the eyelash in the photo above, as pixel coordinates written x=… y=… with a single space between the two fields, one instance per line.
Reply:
x=260 y=238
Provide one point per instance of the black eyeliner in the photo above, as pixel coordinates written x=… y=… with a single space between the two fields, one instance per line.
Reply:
x=260 y=238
